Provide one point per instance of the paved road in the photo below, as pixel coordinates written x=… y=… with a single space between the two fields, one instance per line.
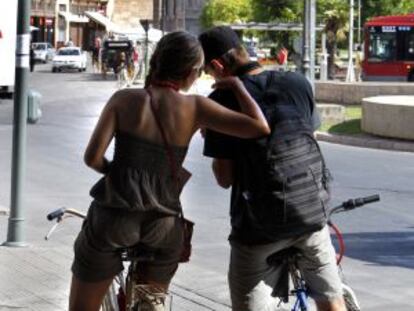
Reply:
x=380 y=262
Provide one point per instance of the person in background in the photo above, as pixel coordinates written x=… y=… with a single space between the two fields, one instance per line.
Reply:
x=32 y=58
x=358 y=63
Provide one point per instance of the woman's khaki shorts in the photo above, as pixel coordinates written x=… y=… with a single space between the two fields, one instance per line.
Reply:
x=107 y=230
x=251 y=277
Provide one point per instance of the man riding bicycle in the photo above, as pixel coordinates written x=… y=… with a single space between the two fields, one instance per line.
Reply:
x=278 y=182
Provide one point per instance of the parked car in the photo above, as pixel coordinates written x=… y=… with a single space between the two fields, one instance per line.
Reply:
x=69 y=58
x=43 y=51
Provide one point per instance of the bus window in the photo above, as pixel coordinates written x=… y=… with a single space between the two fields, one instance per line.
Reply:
x=382 y=47
x=409 y=46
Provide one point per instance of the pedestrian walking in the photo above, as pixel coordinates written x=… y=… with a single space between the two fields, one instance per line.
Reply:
x=279 y=182
x=32 y=61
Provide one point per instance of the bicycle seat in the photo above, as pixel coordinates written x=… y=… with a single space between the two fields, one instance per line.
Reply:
x=138 y=252
x=283 y=256
x=283 y=259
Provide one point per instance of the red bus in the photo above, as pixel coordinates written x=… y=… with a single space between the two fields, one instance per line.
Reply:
x=389 y=49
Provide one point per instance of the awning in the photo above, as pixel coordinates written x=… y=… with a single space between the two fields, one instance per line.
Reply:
x=102 y=20
x=74 y=18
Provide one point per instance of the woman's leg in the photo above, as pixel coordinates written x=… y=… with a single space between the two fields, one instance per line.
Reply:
x=85 y=296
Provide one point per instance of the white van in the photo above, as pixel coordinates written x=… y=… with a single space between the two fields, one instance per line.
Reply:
x=8 y=24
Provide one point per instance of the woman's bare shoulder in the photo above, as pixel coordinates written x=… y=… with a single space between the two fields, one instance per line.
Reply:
x=126 y=96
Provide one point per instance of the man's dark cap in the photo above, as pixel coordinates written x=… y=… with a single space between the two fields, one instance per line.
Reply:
x=217 y=41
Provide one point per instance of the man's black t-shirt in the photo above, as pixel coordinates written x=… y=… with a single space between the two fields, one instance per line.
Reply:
x=298 y=94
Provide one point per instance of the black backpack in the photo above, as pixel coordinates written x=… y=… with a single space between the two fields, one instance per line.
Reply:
x=287 y=191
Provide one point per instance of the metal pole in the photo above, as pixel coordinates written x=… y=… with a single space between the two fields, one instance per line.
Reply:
x=312 y=38
x=163 y=16
x=359 y=22
x=324 y=60
x=306 y=43
x=15 y=234
x=309 y=25
x=350 y=76
x=146 y=52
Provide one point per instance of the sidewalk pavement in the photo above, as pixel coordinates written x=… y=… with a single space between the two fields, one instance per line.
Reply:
x=37 y=278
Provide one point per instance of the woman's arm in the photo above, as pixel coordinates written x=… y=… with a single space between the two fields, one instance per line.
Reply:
x=102 y=135
x=249 y=124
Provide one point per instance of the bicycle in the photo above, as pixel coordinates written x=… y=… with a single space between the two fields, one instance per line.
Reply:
x=290 y=256
x=125 y=293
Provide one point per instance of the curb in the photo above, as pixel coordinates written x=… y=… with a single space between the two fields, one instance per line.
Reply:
x=366 y=141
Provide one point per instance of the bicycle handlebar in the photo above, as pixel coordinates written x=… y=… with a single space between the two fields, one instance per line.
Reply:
x=354 y=203
x=56 y=214
x=59 y=213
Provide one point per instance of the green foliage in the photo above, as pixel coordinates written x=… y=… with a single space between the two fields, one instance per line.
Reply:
x=272 y=10
x=351 y=125
x=217 y=12
x=371 y=8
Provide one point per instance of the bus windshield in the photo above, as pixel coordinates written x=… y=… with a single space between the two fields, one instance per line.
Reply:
x=382 y=47
x=390 y=43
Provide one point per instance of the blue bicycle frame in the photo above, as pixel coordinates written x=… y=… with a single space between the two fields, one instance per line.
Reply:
x=301 y=303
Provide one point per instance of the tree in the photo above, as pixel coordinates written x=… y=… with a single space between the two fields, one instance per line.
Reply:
x=334 y=14
x=371 y=8
x=217 y=12
x=272 y=10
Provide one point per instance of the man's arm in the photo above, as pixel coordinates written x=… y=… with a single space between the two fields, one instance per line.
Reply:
x=223 y=171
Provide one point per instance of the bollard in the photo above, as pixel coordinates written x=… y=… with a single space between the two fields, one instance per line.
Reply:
x=33 y=106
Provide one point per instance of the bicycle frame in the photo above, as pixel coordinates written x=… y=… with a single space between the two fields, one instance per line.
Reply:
x=300 y=290
x=124 y=293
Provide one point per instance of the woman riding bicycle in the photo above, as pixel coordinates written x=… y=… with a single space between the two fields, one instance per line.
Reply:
x=136 y=201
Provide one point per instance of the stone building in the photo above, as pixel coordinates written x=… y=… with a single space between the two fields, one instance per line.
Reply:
x=171 y=15
x=127 y=13
x=43 y=18
x=192 y=15
x=59 y=21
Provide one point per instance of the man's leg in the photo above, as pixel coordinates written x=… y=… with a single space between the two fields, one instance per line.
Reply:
x=319 y=269
x=250 y=277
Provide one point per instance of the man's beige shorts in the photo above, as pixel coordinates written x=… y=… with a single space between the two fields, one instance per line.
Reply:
x=107 y=230
x=249 y=269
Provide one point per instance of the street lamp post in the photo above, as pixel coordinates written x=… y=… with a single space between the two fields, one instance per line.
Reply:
x=350 y=75
x=359 y=22
x=146 y=24
x=308 y=50
x=15 y=233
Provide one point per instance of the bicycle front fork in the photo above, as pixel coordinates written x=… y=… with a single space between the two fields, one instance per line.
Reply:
x=301 y=303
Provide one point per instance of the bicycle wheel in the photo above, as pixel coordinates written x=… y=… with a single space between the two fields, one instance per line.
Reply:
x=115 y=299
x=350 y=299
x=148 y=306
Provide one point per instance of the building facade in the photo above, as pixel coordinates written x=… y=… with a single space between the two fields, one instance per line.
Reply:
x=60 y=21
x=193 y=14
x=171 y=15
x=127 y=13
x=43 y=18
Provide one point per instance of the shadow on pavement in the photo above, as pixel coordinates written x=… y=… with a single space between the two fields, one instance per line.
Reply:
x=381 y=248
x=93 y=77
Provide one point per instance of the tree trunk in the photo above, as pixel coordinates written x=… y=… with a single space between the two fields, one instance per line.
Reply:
x=331 y=49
